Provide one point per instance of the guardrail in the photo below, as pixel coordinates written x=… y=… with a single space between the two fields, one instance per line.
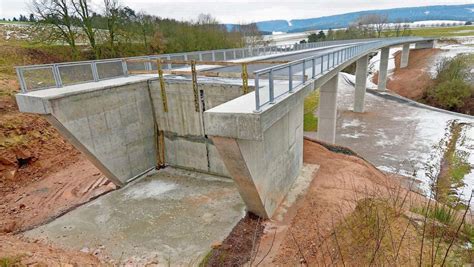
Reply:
x=38 y=77
x=318 y=65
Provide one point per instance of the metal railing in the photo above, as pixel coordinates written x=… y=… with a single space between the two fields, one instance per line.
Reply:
x=38 y=77
x=318 y=65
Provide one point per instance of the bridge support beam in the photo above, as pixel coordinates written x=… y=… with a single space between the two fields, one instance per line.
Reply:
x=328 y=111
x=425 y=45
x=360 y=83
x=383 y=69
x=405 y=56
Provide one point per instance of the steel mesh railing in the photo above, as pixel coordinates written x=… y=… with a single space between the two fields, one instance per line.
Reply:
x=38 y=77
x=311 y=68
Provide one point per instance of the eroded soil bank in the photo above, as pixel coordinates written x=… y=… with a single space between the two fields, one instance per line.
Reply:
x=41 y=175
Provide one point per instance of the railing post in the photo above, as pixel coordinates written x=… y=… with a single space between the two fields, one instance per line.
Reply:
x=257 y=93
x=124 y=67
x=95 y=74
x=272 y=92
x=322 y=65
x=225 y=56
x=169 y=64
x=213 y=55
x=304 y=70
x=235 y=54
x=290 y=78
x=57 y=76
x=19 y=73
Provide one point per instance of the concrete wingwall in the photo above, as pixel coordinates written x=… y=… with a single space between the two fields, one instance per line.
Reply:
x=114 y=126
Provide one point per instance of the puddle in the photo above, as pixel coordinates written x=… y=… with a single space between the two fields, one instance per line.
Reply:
x=151 y=189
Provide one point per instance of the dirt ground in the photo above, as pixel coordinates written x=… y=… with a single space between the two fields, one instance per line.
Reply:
x=41 y=175
x=15 y=251
x=411 y=82
x=341 y=181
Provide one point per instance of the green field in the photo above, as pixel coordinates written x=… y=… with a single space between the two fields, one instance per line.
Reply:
x=439 y=31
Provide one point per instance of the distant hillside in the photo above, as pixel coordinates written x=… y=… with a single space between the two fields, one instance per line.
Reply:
x=409 y=14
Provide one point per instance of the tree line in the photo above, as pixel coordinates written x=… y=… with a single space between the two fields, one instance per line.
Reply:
x=115 y=30
x=367 y=26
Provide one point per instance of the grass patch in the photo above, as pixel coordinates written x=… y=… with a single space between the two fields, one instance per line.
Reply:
x=10 y=261
x=454 y=166
x=438 y=31
x=311 y=103
x=380 y=233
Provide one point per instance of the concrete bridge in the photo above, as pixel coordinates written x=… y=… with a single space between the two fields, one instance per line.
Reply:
x=129 y=124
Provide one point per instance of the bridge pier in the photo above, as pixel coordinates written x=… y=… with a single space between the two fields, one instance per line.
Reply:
x=360 y=83
x=405 y=56
x=328 y=110
x=383 y=69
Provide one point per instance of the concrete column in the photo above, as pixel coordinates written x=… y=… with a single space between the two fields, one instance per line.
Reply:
x=361 y=83
x=405 y=56
x=384 y=55
x=328 y=111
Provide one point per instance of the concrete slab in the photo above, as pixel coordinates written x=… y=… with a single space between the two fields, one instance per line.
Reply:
x=173 y=215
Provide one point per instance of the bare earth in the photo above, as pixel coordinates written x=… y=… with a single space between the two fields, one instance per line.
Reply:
x=411 y=82
x=340 y=182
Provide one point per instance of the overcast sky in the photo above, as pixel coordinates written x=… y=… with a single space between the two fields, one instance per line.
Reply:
x=241 y=11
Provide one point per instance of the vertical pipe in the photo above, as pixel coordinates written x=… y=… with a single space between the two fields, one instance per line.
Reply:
x=313 y=74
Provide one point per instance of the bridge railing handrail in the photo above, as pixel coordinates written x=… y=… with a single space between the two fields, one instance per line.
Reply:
x=55 y=75
x=334 y=58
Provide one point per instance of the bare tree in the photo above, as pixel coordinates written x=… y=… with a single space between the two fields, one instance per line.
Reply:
x=373 y=22
x=58 y=16
x=397 y=27
x=251 y=35
x=82 y=9
x=112 y=14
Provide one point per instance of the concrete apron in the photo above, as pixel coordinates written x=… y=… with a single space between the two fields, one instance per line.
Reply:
x=172 y=216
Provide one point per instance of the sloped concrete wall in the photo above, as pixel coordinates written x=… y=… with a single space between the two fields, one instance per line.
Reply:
x=114 y=125
x=186 y=144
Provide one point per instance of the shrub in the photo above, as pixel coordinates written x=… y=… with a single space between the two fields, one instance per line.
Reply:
x=451 y=94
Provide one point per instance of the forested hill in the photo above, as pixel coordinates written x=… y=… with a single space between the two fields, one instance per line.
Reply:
x=409 y=14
